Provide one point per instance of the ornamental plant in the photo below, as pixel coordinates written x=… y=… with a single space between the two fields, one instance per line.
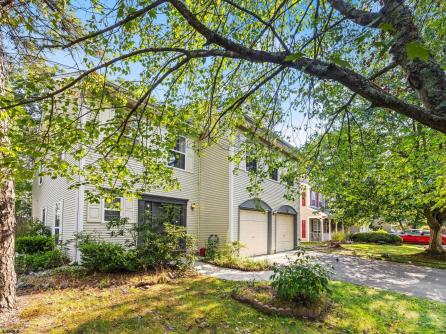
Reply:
x=302 y=281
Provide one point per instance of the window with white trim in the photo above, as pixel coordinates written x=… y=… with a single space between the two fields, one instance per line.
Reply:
x=57 y=230
x=177 y=155
x=112 y=209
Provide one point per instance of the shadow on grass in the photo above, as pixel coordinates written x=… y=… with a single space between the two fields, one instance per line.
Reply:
x=203 y=305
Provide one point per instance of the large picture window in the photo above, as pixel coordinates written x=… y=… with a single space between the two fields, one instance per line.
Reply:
x=177 y=157
x=112 y=210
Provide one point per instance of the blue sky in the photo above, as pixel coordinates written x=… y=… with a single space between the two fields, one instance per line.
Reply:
x=296 y=137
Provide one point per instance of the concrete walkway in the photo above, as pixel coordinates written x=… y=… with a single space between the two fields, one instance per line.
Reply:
x=409 y=279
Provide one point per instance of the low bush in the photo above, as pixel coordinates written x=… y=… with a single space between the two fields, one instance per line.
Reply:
x=228 y=256
x=171 y=246
x=376 y=237
x=339 y=237
x=26 y=263
x=32 y=227
x=241 y=263
x=105 y=256
x=157 y=246
x=32 y=244
x=302 y=281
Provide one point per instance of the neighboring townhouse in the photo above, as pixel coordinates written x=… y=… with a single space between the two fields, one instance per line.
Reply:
x=212 y=200
x=316 y=222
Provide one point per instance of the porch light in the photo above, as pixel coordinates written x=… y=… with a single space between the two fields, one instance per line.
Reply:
x=193 y=206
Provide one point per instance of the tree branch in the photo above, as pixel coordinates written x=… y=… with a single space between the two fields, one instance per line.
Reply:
x=360 y=17
x=129 y=18
x=320 y=69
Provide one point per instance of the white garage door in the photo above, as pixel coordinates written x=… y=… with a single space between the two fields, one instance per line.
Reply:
x=284 y=232
x=254 y=232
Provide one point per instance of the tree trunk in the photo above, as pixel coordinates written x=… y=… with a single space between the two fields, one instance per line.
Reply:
x=7 y=207
x=7 y=251
x=435 y=222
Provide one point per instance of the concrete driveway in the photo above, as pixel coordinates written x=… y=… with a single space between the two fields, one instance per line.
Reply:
x=412 y=280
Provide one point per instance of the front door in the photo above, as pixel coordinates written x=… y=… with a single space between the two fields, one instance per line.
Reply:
x=157 y=211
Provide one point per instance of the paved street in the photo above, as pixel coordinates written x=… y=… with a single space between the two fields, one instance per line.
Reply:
x=412 y=280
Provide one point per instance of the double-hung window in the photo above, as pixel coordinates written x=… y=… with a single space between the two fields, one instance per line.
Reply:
x=177 y=156
x=57 y=231
x=112 y=209
x=274 y=174
x=313 y=198
x=251 y=164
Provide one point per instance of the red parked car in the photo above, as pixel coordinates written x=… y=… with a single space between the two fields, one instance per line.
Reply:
x=418 y=237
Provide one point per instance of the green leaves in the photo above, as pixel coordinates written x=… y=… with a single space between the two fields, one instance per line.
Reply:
x=416 y=50
x=386 y=27
x=294 y=56
x=339 y=61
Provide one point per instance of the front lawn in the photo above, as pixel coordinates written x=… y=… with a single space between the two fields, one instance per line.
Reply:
x=114 y=304
x=412 y=254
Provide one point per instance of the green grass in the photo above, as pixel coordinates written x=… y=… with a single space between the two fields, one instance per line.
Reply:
x=241 y=263
x=204 y=305
x=404 y=253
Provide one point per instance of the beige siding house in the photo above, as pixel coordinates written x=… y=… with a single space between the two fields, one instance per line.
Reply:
x=212 y=199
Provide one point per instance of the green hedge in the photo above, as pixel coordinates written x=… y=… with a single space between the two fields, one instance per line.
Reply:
x=106 y=257
x=376 y=237
x=32 y=244
x=26 y=263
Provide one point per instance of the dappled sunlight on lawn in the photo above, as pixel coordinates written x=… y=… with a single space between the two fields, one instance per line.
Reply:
x=204 y=305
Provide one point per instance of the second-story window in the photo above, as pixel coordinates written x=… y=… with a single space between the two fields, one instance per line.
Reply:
x=312 y=198
x=177 y=156
x=274 y=174
x=321 y=203
x=251 y=164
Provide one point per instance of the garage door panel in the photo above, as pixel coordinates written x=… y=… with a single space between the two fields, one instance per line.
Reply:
x=284 y=232
x=253 y=232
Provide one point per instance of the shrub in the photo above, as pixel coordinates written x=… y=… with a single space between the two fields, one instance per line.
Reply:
x=212 y=247
x=26 y=263
x=376 y=237
x=302 y=281
x=166 y=246
x=32 y=227
x=228 y=257
x=106 y=256
x=32 y=244
x=339 y=237
x=231 y=250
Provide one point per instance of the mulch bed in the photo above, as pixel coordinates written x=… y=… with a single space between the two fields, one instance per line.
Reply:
x=273 y=306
